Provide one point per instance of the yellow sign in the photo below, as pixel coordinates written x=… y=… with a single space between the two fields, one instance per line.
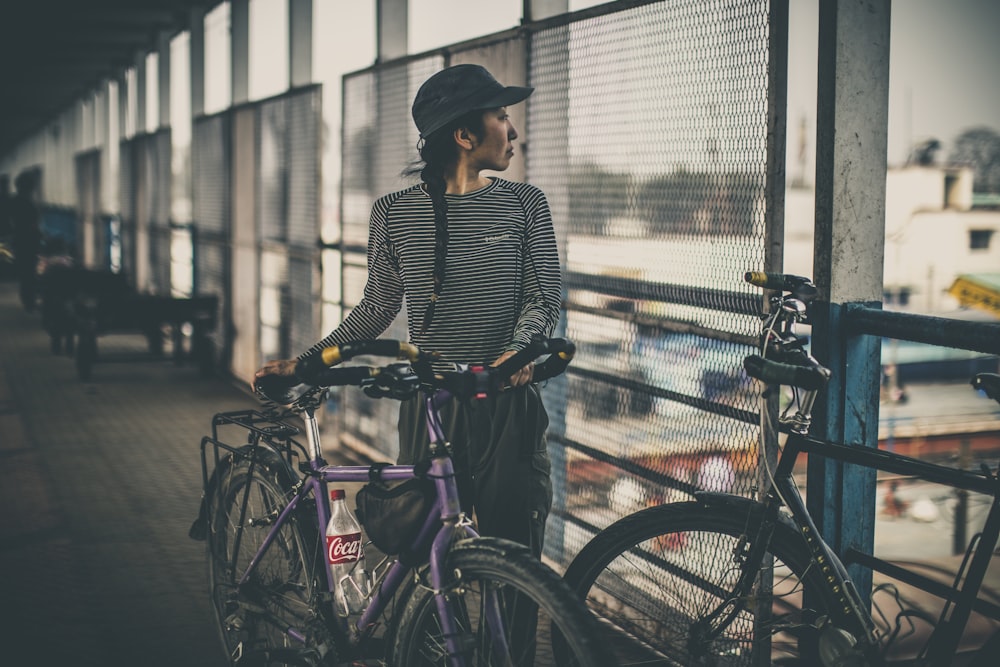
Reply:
x=975 y=294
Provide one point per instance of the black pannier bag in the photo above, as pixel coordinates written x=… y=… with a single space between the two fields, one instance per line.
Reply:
x=392 y=513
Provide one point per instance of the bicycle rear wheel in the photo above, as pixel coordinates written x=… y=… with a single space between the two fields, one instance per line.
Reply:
x=253 y=486
x=500 y=579
x=653 y=575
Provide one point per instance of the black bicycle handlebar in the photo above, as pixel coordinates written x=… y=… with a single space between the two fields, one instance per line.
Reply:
x=800 y=286
x=810 y=378
x=482 y=380
x=401 y=380
x=309 y=368
x=560 y=350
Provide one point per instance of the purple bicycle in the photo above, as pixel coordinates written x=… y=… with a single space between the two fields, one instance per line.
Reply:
x=453 y=598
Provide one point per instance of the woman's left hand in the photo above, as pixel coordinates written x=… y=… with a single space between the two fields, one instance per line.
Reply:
x=521 y=376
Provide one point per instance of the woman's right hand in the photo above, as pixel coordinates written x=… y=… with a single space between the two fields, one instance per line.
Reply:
x=283 y=367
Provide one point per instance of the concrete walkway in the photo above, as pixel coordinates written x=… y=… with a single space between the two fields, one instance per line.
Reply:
x=101 y=481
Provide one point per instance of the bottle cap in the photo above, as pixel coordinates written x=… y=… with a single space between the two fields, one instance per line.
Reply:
x=337 y=494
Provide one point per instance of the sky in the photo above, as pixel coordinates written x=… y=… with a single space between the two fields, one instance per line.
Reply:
x=943 y=70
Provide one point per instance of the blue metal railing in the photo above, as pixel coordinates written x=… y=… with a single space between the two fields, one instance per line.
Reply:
x=945 y=332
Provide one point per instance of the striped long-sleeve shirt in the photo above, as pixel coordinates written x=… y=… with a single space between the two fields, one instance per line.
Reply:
x=502 y=279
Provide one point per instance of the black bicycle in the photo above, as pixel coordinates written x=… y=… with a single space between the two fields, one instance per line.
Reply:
x=450 y=597
x=728 y=580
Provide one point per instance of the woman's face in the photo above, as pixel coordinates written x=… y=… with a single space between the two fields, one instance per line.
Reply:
x=494 y=149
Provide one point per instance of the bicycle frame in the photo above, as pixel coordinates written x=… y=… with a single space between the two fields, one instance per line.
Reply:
x=962 y=599
x=444 y=521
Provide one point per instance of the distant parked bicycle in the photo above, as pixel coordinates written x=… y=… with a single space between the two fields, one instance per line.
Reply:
x=726 y=580
x=464 y=599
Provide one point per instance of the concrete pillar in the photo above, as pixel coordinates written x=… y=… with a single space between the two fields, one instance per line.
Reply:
x=122 y=108
x=391 y=29
x=852 y=128
x=536 y=10
x=239 y=21
x=300 y=49
x=163 y=79
x=140 y=93
x=197 y=61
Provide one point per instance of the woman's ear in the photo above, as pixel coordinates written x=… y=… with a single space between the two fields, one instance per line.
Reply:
x=465 y=138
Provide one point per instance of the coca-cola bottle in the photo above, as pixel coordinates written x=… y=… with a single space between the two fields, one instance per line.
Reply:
x=345 y=556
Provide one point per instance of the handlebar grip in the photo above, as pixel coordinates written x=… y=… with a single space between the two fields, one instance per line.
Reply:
x=379 y=347
x=537 y=347
x=308 y=368
x=810 y=378
x=775 y=281
x=344 y=377
x=556 y=362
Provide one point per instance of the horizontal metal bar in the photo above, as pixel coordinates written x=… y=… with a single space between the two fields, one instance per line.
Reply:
x=664 y=325
x=627 y=465
x=686 y=295
x=887 y=461
x=926 y=584
x=941 y=331
x=616 y=380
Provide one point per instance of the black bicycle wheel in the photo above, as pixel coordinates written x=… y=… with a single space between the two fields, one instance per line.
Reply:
x=653 y=575
x=284 y=590
x=529 y=599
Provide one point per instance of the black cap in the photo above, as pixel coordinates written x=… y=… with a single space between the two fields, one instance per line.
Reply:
x=457 y=90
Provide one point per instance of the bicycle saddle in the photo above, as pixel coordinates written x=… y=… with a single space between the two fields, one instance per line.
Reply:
x=281 y=389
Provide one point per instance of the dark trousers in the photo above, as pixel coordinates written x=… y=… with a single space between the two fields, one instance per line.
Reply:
x=501 y=460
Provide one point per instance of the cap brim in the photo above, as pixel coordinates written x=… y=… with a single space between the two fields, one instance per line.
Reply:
x=503 y=98
x=508 y=96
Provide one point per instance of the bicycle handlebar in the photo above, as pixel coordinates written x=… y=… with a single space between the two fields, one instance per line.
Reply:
x=800 y=286
x=309 y=368
x=401 y=380
x=810 y=378
x=560 y=350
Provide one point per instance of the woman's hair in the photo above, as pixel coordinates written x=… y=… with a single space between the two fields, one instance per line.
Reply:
x=437 y=153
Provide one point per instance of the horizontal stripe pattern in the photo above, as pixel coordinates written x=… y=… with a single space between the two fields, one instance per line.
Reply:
x=502 y=280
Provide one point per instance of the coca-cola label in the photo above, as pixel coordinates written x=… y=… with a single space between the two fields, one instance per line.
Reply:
x=343 y=548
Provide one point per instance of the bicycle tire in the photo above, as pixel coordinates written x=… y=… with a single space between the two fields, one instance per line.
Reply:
x=286 y=587
x=526 y=586
x=650 y=577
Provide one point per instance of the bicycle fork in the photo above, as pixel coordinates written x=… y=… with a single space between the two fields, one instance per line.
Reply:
x=749 y=560
x=836 y=643
x=833 y=641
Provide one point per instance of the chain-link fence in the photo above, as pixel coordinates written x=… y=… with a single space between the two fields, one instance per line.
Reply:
x=649 y=133
x=648 y=130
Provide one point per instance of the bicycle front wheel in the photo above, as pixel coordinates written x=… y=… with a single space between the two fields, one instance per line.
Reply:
x=255 y=618
x=508 y=606
x=653 y=576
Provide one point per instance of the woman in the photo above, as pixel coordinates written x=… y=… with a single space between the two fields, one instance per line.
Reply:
x=476 y=259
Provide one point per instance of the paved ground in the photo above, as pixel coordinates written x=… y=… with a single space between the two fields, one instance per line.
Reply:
x=101 y=481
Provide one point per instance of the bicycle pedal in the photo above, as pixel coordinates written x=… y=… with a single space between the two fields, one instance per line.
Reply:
x=235 y=621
